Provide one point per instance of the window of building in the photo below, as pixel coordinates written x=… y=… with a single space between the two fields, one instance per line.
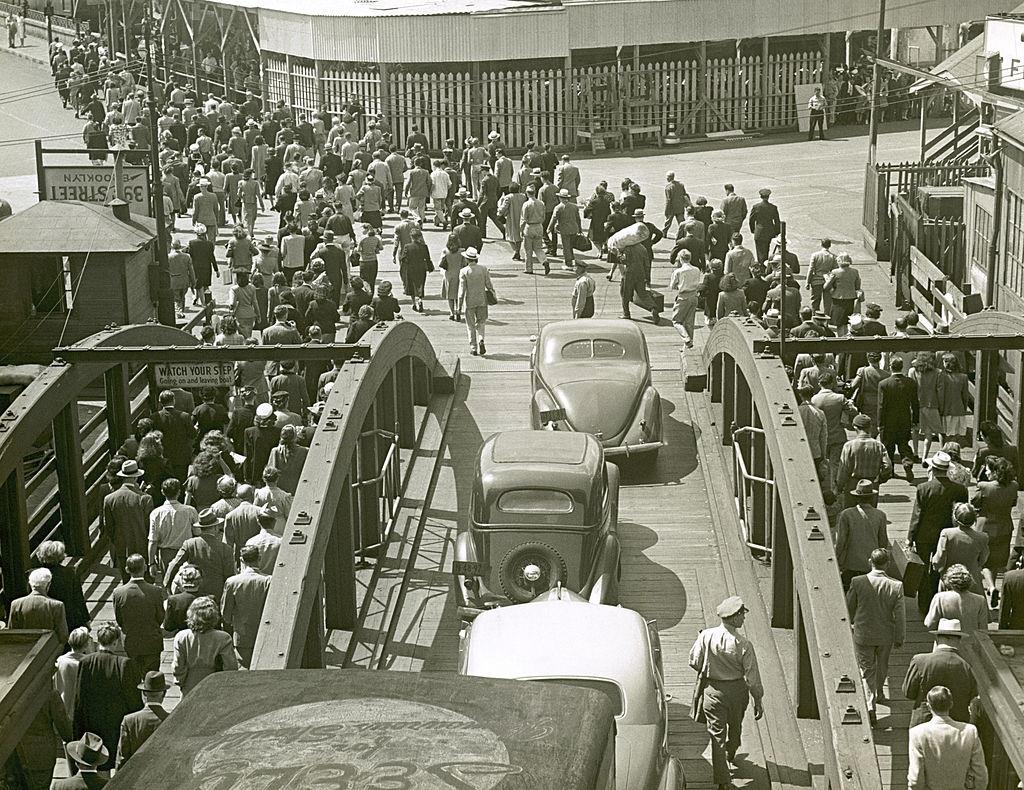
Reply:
x=1013 y=259
x=52 y=292
x=981 y=235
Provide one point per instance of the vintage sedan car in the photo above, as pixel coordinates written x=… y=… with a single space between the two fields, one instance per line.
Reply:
x=561 y=638
x=543 y=514
x=594 y=376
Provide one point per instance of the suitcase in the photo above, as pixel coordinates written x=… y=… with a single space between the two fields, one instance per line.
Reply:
x=653 y=301
x=906 y=566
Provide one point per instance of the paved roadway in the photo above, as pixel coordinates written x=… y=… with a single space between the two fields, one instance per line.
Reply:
x=681 y=540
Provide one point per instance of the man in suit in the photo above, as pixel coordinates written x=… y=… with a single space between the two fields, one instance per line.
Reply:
x=875 y=603
x=944 y=666
x=474 y=283
x=860 y=531
x=178 y=434
x=933 y=512
x=245 y=593
x=89 y=754
x=136 y=728
x=862 y=458
x=208 y=552
x=107 y=691
x=139 y=611
x=898 y=412
x=735 y=208
x=37 y=609
x=676 y=201
x=567 y=176
x=764 y=224
x=1011 y=608
x=279 y=332
x=243 y=522
x=125 y=519
x=944 y=752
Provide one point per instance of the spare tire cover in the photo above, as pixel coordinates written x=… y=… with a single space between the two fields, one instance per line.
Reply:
x=548 y=567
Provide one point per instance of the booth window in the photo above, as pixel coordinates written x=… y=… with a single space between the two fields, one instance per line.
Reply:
x=51 y=285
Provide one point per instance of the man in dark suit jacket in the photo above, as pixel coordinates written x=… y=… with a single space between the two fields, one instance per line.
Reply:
x=279 y=332
x=125 y=518
x=139 y=610
x=898 y=410
x=178 y=434
x=88 y=753
x=136 y=728
x=933 y=512
x=1011 y=610
x=107 y=691
x=209 y=553
x=764 y=224
x=37 y=609
x=944 y=666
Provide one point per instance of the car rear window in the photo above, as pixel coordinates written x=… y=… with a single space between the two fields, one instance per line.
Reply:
x=535 y=500
x=593 y=349
x=606 y=687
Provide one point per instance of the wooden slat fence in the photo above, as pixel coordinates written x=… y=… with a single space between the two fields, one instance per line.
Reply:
x=728 y=94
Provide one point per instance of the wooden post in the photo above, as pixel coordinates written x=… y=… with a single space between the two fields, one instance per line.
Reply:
x=74 y=509
x=763 y=81
x=849 y=47
x=384 y=76
x=313 y=651
x=115 y=384
x=291 y=84
x=925 y=100
x=986 y=391
x=572 y=123
x=422 y=383
x=387 y=403
x=806 y=697
x=339 y=565
x=826 y=56
x=369 y=494
x=321 y=94
x=476 y=100
x=702 y=87
x=728 y=399
x=14 y=559
x=406 y=412
x=783 y=606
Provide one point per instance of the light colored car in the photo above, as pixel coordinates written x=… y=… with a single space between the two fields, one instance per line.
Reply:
x=543 y=513
x=594 y=376
x=562 y=638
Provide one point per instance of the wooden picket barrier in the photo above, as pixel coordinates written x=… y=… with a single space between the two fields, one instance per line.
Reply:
x=539 y=105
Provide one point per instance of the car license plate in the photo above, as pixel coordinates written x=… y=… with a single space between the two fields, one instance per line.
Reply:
x=465 y=568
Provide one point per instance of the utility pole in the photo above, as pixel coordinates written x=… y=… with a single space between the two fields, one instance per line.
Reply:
x=48 y=10
x=876 y=86
x=165 y=299
x=995 y=159
x=784 y=271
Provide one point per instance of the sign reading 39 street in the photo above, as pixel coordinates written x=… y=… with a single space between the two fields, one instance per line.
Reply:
x=93 y=183
x=195 y=374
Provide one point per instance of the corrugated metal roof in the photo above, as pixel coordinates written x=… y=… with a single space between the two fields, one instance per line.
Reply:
x=71 y=226
x=379 y=8
x=1010 y=126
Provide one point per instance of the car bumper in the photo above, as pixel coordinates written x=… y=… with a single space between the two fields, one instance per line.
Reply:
x=632 y=449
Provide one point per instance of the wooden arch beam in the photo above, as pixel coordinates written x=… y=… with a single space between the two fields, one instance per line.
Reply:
x=850 y=759
x=322 y=490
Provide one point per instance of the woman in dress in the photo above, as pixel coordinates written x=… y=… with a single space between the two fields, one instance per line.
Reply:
x=201 y=484
x=731 y=298
x=229 y=334
x=152 y=462
x=243 y=304
x=242 y=250
x=258 y=159
x=416 y=262
x=451 y=264
x=995 y=500
x=597 y=210
x=202 y=648
x=956 y=601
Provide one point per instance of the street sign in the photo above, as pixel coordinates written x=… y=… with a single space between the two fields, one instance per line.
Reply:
x=195 y=374
x=93 y=183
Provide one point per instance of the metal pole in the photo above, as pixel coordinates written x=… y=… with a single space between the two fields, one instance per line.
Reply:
x=49 y=25
x=876 y=87
x=997 y=220
x=165 y=299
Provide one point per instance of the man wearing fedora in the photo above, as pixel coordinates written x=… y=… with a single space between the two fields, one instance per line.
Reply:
x=467 y=233
x=245 y=593
x=88 y=754
x=933 y=512
x=136 y=728
x=125 y=519
x=139 y=611
x=944 y=752
x=565 y=224
x=943 y=666
x=107 y=691
x=474 y=287
x=862 y=458
x=764 y=224
x=726 y=660
x=860 y=530
x=208 y=552
x=879 y=623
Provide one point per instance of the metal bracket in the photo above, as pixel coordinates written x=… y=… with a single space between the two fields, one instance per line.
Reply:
x=330 y=425
x=788 y=422
x=298 y=537
x=303 y=519
x=815 y=534
x=845 y=685
x=852 y=716
x=812 y=515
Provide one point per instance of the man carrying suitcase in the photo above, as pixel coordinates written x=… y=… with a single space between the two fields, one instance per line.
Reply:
x=633 y=289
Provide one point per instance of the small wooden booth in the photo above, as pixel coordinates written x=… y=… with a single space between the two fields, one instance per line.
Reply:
x=997 y=658
x=69 y=269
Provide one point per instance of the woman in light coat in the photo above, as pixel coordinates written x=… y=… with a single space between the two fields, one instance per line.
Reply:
x=202 y=648
x=510 y=209
x=451 y=264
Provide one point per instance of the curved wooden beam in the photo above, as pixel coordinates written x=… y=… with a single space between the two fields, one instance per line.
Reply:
x=852 y=762
x=988 y=322
x=295 y=586
x=59 y=384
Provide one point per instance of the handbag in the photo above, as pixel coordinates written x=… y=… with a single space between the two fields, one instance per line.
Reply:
x=697 y=703
x=581 y=243
x=491 y=298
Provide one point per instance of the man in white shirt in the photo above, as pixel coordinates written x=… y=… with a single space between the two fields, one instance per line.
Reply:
x=266 y=542
x=817 y=104
x=440 y=186
x=170 y=525
x=686 y=280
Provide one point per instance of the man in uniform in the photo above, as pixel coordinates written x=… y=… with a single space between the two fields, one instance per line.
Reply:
x=764 y=224
x=726 y=658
